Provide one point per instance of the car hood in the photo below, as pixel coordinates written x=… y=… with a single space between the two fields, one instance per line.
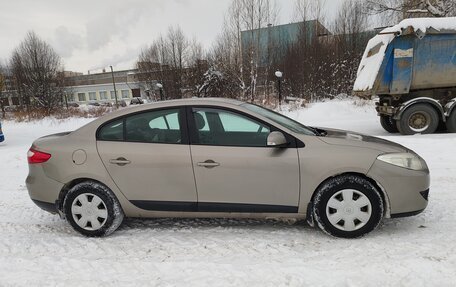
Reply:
x=348 y=138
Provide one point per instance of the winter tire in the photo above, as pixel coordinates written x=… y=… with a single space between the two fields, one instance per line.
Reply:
x=347 y=206
x=92 y=209
x=389 y=124
x=418 y=119
x=451 y=122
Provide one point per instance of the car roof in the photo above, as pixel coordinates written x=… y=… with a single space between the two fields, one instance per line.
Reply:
x=161 y=104
x=200 y=101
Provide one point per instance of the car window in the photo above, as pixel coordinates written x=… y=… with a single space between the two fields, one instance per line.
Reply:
x=154 y=127
x=113 y=131
x=235 y=123
x=204 y=127
x=226 y=128
x=281 y=120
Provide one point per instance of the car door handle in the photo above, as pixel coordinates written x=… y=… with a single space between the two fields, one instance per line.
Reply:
x=120 y=161
x=208 y=164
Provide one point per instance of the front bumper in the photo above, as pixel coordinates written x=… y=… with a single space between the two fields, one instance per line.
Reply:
x=407 y=190
x=43 y=190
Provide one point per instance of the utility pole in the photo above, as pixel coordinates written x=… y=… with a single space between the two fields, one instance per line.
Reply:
x=114 y=84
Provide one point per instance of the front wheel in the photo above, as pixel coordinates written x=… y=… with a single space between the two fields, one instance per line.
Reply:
x=418 y=119
x=388 y=123
x=347 y=206
x=92 y=209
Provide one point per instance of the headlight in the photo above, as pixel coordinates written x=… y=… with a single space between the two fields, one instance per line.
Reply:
x=405 y=160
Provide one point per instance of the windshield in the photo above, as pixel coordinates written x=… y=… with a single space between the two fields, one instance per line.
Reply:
x=280 y=119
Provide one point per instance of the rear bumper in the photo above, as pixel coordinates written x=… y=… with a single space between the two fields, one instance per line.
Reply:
x=406 y=214
x=43 y=190
x=46 y=206
x=407 y=190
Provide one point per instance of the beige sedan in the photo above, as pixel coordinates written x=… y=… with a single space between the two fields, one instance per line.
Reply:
x=222 y=158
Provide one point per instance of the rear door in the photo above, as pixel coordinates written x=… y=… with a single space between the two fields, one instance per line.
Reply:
x=235 y=171
x=148 y=157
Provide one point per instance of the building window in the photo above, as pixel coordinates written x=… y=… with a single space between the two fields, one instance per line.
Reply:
x=125 y=94
x=70 y=98
x=103 y=95
x=82 y=97
x=113 y=95
x=92 y=96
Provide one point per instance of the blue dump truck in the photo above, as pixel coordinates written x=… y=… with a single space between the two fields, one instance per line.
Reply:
x=411 y=68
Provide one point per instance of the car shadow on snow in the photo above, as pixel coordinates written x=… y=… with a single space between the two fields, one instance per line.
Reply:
x=204 y=223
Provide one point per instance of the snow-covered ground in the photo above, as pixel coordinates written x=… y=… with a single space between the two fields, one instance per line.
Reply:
x=37 y=248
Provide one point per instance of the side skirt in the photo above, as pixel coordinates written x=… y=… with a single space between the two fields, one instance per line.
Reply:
x=212 y=207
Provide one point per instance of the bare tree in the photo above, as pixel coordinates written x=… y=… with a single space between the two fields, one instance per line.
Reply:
x=174 y=61
x=238 y=53
x=178 y=45
x=399 y=9
x=2 y=87
x=255 y=15
x=38 y=73
x=195 y=52
x=349 y=43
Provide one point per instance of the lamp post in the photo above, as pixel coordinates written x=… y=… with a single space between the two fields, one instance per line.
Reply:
x=279 y=76
x=160 y=87
x=114 y=84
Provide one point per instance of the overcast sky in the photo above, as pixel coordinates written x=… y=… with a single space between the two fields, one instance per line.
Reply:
x=92 y=34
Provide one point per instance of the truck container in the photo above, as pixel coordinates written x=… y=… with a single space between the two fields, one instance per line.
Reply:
x=411 y=68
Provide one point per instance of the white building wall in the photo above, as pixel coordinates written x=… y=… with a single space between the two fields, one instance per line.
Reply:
x=124 y=92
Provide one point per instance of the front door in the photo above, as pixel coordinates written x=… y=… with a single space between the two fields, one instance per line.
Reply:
x=235 y=171
x=148 y=157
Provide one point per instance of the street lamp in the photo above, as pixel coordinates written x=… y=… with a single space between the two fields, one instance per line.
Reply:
x=279 y=76
x=160 y=87
x=114 y=84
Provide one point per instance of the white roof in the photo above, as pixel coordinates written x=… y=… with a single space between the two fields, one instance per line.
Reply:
x=423 y=24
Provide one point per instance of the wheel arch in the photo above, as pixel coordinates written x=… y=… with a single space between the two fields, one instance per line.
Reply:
x=378 y=186
x=450 y=107
x=70 y=185
x=422 y=100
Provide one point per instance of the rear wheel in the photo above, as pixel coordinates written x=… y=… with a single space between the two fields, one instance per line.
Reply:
x=388 y=123
x=348 y=206
x=418 y=119
x=451 y=122
x=92 y=209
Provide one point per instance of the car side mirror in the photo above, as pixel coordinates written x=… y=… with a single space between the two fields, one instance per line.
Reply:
x=276 y=139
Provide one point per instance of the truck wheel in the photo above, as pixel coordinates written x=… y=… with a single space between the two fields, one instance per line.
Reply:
x=451 y=122
x=418 y=119
x=388 y=123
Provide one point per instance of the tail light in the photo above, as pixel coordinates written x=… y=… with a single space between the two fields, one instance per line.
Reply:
x=34 y=156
